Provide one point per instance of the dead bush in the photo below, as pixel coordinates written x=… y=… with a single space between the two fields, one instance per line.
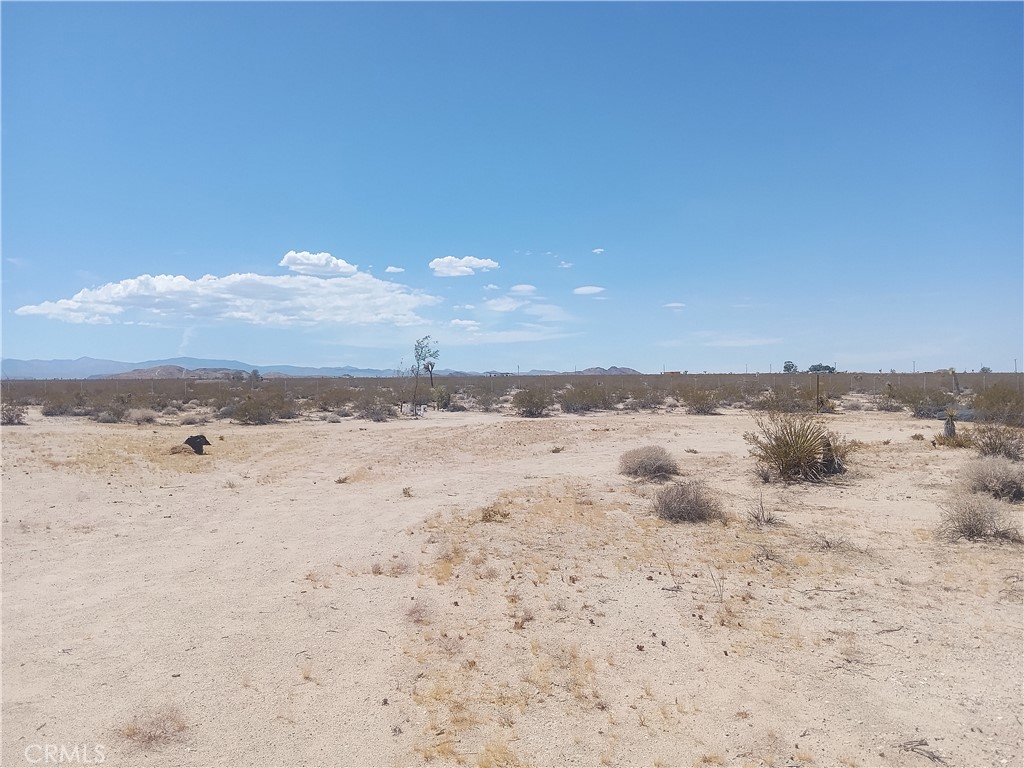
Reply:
x=688 y=502
x=651 y=462
x=164 y=725
x=977 y=517
x=997 y=476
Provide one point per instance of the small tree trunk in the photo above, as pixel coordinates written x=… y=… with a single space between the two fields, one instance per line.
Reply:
x=950 y=428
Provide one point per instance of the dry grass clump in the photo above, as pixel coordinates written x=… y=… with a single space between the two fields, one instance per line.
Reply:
x=689 y=502
x=797 y=447
x=12 y=413
x=997 y=440
x=977 y=517
x=997 y=476
x=164 y=725
x=963 y=439
x=652 y=462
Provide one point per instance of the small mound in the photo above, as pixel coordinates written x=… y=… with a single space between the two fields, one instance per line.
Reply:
x=187 y=449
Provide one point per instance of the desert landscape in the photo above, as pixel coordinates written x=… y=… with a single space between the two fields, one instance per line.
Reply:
x=478 y=588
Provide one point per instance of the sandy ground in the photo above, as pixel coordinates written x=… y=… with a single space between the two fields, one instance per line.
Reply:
x=487 y=590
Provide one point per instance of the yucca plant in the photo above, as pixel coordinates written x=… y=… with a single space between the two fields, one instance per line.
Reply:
x=949 y=431
x=797 y=446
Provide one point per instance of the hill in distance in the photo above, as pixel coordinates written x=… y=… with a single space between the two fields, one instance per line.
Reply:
x=192 y=367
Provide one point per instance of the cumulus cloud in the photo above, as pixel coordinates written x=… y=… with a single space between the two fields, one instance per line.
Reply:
x=587 y=290
x=490 y=287
x=522 y=289
x=450 y=266
x=469 y=325
x=262 y=300
x=564 y=264
x=306 y=263
x=395 y=270
x=598 y=251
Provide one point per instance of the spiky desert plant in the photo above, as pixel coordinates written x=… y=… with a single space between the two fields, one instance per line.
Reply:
x=949 y=430
x=796 y=446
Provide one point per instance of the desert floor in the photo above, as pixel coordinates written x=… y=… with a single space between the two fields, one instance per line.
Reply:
x=488 y=590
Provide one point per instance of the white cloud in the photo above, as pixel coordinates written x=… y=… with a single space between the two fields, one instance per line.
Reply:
x=262 y=300
x=587 y=290
x=522 y=289
x=490 y=287
x=464 y=306
x=469 y=325
x=674 y=305
x=598 y=251
x=548 y=312
x=504 y=304
x=394 y=270
x=450 y=266
x=565 y=265
x=306 y=263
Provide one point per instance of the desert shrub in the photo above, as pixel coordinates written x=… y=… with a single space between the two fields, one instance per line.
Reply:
x=580 y=398
x=798 y=447
x=689 y=502
x=651 y=462
x=335 y=399
x=142 y=415
x=962 y=439
x=113 y=412
x=442 y=398
x=853 y=405
x=457 y=408
x=485 y=400
x=373 y=406
x=917 y=436
x=264 y=407
x=11 y=413
x=1000 y=404
x=887 y=404
x=784 y=399
x=997 y=476
x=531 y=402
x=644 y=397
x=57 y=407
x=977 y=517
x=997 y=440
x=923 y=404
x=192 y=419
x=702 y=402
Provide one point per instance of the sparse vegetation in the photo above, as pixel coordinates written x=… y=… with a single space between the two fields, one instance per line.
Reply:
x=650 y=462
x=996 y=476
x=759 y=515
x=998 y=440
x=11 y=413
x=688 y=502
x=702 y=402
x=373 y=406
x=1000 y=404
x=162 y=726
x=584 y=397
x=977 y=517
x=798 y=447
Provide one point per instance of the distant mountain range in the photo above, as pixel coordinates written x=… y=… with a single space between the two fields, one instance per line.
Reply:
x=197 y=368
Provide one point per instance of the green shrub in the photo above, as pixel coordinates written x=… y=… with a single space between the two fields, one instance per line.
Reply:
x=702 y=402
x=651 y=462
x=57 y=407
x=998 y=440
x=532 y=402
x=442 y=398
x=264 y=407
x=581 y=398
x=977 y=517
x=689 y=502
x=1000 y=404
x=797 y=447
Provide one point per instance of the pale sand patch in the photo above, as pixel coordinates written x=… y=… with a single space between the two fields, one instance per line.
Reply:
x=487 y=590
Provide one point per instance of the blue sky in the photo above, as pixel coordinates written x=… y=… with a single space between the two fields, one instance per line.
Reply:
x=653 y=185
